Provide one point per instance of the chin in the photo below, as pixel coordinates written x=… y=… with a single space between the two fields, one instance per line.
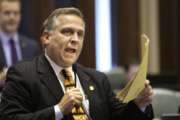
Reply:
x=69 y=62
x=11 y=30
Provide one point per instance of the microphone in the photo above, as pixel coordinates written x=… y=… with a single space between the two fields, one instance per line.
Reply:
x=1 y=66
x=74 y=67
x=82 y=105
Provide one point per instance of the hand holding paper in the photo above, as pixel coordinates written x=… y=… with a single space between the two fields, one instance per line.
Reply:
x=135 y=86
x=145 y=97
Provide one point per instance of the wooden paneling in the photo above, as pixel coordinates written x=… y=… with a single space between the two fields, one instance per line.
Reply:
x=125 y=34
x=38 y=10
x=87 y=56
x=169 y=37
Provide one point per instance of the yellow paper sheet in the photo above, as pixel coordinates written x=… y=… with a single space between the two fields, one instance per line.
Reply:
x=137 y=84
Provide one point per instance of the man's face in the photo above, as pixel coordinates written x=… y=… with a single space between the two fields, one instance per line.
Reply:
x=9 y=16
x=65 y=42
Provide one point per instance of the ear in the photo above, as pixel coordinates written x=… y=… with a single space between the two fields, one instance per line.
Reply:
x=45 y=39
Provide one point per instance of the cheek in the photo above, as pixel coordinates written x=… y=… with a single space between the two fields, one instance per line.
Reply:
x=58 y=45
x=18 y=19
x=81 y=45
x=54 y=51
x=4 y=20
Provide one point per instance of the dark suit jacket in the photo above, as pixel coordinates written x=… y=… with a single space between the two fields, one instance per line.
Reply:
x=32 y=90
x=29 y=49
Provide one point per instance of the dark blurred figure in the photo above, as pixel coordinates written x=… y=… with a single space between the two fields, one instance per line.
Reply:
x=13 y=46
x=1 y=74
x=130 y=71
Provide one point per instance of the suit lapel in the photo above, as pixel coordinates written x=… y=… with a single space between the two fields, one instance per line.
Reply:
x=23 y=46
x=85 y=82
x=2 y=60
x=89 y=88
x=49 y=78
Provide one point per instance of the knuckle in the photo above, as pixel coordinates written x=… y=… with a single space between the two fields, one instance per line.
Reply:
x=72 y=98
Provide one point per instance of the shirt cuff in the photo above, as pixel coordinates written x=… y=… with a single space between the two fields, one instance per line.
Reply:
x=58 y=113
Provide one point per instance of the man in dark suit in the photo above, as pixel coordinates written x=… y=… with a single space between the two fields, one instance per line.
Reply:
x=13 y=46
x=36 y=90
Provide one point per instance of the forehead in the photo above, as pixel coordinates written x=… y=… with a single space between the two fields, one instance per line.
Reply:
x=70 y=21
x=10 y=5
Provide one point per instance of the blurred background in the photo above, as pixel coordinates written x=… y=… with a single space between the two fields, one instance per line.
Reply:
x=112 y=41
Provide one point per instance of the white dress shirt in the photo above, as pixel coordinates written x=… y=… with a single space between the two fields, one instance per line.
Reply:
x=57 y=69
x=4 y=38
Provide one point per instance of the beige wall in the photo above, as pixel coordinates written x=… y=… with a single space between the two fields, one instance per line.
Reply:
x=149 y=25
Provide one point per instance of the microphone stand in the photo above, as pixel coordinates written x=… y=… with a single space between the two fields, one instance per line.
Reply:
x=83 y=107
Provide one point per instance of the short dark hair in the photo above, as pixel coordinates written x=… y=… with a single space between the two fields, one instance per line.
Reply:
x=49 y=22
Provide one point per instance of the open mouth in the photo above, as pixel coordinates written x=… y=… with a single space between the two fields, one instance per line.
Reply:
x=70 y=50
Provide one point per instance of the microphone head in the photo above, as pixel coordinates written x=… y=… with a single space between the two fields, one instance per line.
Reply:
x=74 y=67
x=1 y=66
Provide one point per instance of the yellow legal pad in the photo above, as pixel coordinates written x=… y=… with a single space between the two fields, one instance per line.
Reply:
x=137 y=84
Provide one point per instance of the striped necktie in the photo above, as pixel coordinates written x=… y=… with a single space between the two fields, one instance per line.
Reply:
x=78 y=112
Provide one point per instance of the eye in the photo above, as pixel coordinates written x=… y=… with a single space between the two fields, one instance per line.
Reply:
x=67 y=31
x=81 y=34
x=7 y=13
x=15 y=13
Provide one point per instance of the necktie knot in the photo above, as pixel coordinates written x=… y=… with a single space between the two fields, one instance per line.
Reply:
x=11 y=41
x=67 y=74
x=68 y=80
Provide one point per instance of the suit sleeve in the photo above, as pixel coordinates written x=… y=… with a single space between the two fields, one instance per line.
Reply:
x=16 y=102
x=124 y=111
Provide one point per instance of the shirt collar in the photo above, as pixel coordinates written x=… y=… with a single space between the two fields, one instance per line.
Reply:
x=5 y=38
x=57 y=69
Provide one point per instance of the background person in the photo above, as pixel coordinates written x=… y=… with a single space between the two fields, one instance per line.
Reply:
x=13 y=46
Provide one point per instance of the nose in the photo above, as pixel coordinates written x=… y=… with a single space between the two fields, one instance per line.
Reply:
x=12 y=15
x=75 y=38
